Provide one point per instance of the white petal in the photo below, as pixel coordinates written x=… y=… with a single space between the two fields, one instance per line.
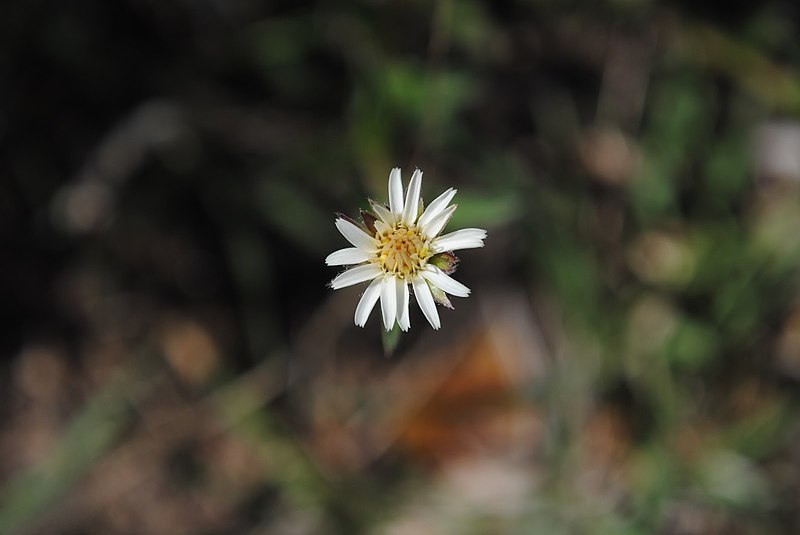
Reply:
x=435 y=225
x=383 y=214
x=412 y=198
x=389 y=301
x=425 y=300
x=396 y=192
x=468 y=238
x=382 y=228
x=356 y=236
x=346 y=257
x=437 y=206
x=402 y=305
x=367 y=302
x=437 y=277
x=355 y=275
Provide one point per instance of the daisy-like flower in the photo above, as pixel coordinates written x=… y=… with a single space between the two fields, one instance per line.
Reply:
x=399 y=246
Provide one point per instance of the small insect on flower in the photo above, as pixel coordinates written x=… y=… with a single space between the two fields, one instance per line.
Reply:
x=399 y=246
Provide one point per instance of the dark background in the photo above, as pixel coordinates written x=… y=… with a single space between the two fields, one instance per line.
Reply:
x=173 y=362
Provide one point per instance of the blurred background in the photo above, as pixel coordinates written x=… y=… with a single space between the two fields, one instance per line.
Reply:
x=173 y=362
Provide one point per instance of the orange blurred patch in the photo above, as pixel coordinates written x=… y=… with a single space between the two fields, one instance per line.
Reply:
x=476 y=410
x=447 y=399
x=190 y=350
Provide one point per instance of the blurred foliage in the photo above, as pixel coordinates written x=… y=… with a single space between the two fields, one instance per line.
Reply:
x=174 y=362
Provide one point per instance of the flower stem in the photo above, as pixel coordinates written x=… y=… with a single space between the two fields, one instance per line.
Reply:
x=390 y=340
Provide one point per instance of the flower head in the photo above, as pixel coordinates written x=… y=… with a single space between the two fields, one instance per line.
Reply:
x=398 y=246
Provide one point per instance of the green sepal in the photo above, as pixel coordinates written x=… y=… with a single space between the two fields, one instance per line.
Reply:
x=440 y=297
x=369 y=221
x=447 y=262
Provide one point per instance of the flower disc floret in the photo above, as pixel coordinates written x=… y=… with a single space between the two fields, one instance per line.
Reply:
x=403 y=251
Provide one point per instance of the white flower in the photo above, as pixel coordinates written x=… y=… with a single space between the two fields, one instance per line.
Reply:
x=399 y=246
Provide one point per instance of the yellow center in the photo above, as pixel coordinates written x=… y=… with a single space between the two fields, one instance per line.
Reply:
x=402 y=251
